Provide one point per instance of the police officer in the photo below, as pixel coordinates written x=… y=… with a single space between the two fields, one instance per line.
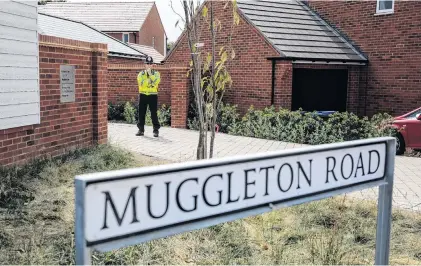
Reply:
x=148 y=81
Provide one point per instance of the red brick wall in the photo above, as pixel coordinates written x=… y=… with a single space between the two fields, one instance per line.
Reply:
x=64 y=126
x=392 y=44
x=180 y=97
x=122 y=83
x=283 y=85
x=152 y=27
x=250 y=70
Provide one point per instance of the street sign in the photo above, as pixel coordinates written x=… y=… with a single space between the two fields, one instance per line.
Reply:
x=121 y=208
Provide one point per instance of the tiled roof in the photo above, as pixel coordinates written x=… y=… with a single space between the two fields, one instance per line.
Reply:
x=69 y=29
x=104 y=16
x=157 y=57
x=297 y=32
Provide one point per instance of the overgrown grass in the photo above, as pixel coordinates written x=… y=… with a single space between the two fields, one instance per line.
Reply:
x=36 y=225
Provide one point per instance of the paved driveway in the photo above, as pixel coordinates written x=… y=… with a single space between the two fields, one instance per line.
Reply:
x=179 y=145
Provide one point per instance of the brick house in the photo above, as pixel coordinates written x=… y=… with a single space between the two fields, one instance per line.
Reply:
x=389 y=33
x=130 y=22
x=66 y=28
x=287 y=55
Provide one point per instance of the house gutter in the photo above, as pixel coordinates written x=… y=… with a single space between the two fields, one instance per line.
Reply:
x=117 y=54
x=314 y=60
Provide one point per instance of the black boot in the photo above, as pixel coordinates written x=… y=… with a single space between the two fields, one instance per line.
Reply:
x=140 y=133
x=156 y=133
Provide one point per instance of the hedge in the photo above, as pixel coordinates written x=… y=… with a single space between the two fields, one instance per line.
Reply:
x=128 y=113
x=300 y=127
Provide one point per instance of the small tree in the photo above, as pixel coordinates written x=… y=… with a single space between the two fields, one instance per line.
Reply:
x=208 y=71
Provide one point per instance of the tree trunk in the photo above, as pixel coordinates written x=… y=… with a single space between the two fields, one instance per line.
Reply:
x=214 y=99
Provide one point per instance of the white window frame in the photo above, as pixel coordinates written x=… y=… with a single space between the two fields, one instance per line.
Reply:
x=128 y=37
x=385 y=11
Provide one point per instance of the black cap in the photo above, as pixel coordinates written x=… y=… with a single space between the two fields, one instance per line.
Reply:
x=149 y=60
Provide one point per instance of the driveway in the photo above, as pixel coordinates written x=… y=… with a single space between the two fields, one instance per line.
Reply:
x=179 y=145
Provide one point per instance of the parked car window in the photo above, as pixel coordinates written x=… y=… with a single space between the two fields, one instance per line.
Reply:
x=414 y=114
x=385 y=6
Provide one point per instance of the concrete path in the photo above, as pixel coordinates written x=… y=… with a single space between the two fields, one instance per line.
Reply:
x=179 y=145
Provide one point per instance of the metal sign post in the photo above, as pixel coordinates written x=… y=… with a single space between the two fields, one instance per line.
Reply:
x=128 y=207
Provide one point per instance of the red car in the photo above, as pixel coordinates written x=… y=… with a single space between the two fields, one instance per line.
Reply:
x=409 y=128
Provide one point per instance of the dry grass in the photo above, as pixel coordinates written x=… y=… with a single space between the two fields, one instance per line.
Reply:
x=36 y=225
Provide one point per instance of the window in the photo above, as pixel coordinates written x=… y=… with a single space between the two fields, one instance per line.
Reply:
x=126 y=37
x=414 y=114
x=153 y=42
x=385 y=6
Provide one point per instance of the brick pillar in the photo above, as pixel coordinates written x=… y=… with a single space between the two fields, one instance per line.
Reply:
x=283 y=85
x=180 y=88
x=99 y=93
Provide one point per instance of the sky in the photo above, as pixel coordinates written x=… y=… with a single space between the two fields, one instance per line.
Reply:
x=168 y=17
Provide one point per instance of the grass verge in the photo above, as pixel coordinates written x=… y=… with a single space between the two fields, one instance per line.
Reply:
x=36 y=225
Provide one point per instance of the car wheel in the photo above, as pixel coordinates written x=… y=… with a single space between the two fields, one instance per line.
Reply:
x=400 y=145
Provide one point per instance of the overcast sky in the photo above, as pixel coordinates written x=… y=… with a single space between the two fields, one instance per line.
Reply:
x=169 y=18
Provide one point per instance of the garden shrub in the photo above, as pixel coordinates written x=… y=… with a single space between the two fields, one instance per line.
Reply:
x=115 y=112
x=164 y=116
x=227 y=117
x=129 y=113
x=309 y=128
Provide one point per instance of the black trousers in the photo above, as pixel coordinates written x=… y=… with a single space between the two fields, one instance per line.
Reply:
x=144 y=102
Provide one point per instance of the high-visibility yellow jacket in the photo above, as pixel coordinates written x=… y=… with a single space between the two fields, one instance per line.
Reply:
x=148 y=85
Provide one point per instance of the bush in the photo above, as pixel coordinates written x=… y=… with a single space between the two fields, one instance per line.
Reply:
x=309 y=128
x=129 y=113
x=164 y=116
x=298 y=126
x=227 y=117
x=115 y=112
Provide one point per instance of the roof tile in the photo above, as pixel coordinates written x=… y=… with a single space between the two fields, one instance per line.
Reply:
x=105 y=16
x=296 y=31
x=69 y=29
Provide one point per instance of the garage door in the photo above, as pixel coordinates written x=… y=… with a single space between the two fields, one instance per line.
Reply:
x=319 y=89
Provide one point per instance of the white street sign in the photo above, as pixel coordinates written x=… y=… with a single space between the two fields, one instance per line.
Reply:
x=131 y=206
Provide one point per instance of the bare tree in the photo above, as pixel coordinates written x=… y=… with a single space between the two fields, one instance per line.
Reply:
x=208 y=71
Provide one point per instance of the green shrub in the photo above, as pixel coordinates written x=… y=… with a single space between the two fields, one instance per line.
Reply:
x=115 y=112
x=164 y=116
x=129 y=113
x=298 y=126
x=309 y=128
x=228 y=116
